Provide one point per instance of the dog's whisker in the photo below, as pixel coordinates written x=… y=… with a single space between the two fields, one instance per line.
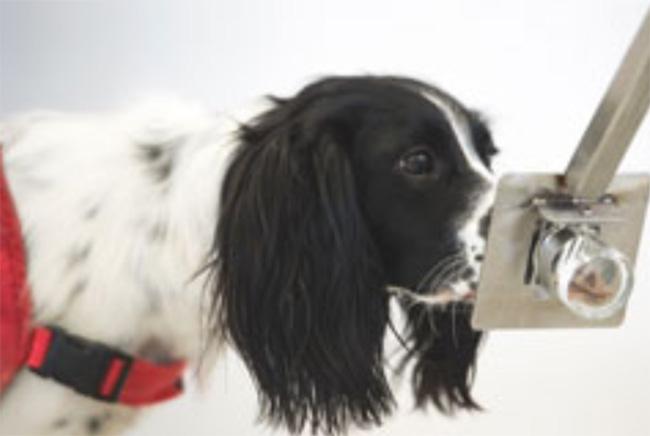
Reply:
x=437 y=267
x=445 y=276
x=433 y=279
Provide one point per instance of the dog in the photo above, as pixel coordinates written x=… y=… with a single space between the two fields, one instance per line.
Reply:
x=285 y=234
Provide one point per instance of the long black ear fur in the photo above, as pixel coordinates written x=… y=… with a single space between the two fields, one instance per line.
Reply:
x=299 y=286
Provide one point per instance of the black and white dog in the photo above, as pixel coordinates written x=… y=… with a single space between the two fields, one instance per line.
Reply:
x=286 y=233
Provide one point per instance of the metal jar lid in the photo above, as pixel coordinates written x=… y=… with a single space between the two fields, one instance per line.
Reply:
x=589 y=277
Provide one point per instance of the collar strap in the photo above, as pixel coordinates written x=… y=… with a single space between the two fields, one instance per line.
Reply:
x=101 y=372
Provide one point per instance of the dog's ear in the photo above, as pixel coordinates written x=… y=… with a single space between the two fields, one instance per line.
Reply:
x=299 y=287
x=443 y=345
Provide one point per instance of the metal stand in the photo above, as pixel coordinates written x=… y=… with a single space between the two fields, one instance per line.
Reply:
x=512 y=294
x=615 y=122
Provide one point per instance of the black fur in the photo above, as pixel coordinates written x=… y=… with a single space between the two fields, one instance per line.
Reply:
x=94 y=424
x=157 y=233
x=159 y=160
x=443 y=345
x=315 y=220
x=78 y=256
x=91 y=213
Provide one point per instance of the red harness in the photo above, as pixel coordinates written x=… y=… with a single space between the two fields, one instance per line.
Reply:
x=90 y=368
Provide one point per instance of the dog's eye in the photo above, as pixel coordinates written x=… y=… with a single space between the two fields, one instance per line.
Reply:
x=417 y=163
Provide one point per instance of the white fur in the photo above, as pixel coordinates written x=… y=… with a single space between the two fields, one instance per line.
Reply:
x=81 y=184
x=469 y=228
x=458 y=122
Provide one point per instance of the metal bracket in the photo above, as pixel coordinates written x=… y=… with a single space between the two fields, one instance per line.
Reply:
x=565 y=210
x=505 y=299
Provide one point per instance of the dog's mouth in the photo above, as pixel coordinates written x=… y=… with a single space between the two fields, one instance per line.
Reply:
x=451 y=280
x=439 y=297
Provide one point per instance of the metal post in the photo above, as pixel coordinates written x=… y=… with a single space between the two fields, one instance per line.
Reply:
x=615 y=122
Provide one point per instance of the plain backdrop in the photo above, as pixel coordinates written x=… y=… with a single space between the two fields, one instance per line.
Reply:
x=537 y=68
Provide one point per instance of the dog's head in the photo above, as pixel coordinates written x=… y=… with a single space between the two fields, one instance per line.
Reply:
x=354 y=190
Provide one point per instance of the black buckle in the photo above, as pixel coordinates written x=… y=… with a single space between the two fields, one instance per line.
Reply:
x=82 y=364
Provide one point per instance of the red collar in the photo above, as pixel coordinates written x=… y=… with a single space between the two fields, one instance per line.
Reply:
x=90 y=368
x=101 y=372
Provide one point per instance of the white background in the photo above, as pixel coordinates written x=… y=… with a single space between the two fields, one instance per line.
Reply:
x=538 y=69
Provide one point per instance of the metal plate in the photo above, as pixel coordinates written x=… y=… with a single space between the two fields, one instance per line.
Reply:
x=503 y=300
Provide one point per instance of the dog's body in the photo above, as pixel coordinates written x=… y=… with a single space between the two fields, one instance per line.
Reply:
x=120 y=214
x=117 y=213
